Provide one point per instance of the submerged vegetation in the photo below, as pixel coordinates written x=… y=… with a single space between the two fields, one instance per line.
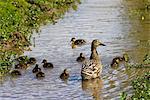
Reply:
x=19 y=18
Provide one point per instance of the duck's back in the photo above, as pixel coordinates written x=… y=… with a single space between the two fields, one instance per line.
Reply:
x=80 y=59
x=48 y=65
x=79 y=42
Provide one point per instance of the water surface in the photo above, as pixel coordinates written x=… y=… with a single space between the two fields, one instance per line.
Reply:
x=106 y=20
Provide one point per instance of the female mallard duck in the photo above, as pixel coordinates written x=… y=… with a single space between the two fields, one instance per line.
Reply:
x=116 y=61
x=40 y=74
x=15 y=73
x=36 y=69
x=47 y=64
x=77 y=42
x=65 y=74
x=92 y=68
x=81 y=58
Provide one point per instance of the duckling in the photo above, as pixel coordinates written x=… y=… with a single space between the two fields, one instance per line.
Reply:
x=92 y=68
x=36 y=69
x=77 y=42
x=65 y=74
x=116 y=61
x=22 y=59
x=32 y=60
x=22 y=66
x=125 y=57
x=47 y=64
x=81 y=58
x=15 y=73
x=40 y=74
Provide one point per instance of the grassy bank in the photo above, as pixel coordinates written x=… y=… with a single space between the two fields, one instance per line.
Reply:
x=141 y=89
x=18 y=19
x=141 y=86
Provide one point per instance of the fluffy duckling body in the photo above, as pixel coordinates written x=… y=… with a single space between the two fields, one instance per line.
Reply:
x=22 y=66
x=15 y=73
x=22 y=58
x=40 y=74
x=65 y=74
x=92 y=68
x=77 y=42
x=36 y=69
x=81 y=58
x=116 y=61
x=47 y=64
x=32 y=60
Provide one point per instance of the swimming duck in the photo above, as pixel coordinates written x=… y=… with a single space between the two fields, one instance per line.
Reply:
x=36 y=69
x=77 y=42
x=125 y=57
x=65 y=74
x=47 y=64
x=40 y=74
x=22 y=66
x=15 y=73
x=32 y=60
x=116 y=61
x=81 y=58
x=21 y=58
x=92 y=68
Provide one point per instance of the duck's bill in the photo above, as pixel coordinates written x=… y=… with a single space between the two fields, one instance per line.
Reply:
x=102 y=44
x=42 y=61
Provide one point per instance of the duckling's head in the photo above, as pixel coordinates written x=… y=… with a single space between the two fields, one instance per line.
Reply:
x=66 y=71
x=44 y=61
x=96 y=43
x=36 y=66
x=81 y=55
x=125 y=57
x=73 y=39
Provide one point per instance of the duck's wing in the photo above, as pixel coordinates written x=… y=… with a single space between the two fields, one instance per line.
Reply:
x=91 y=68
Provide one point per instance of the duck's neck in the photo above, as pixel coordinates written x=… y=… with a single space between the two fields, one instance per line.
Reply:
x=73 y=45
x=94 y=54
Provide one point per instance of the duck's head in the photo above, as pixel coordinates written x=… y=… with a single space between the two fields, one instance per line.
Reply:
x=66 y=71
x=125 y=57
x=96 y=43
x=73 y=39
x=81 y=55
x=36 y=66
x=44 y=61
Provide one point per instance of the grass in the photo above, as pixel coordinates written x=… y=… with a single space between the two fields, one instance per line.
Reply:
x=141 y=86
x=19 y=18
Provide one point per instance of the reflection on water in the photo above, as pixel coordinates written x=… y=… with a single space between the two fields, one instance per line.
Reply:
x=93 y=87
x=106 y=20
